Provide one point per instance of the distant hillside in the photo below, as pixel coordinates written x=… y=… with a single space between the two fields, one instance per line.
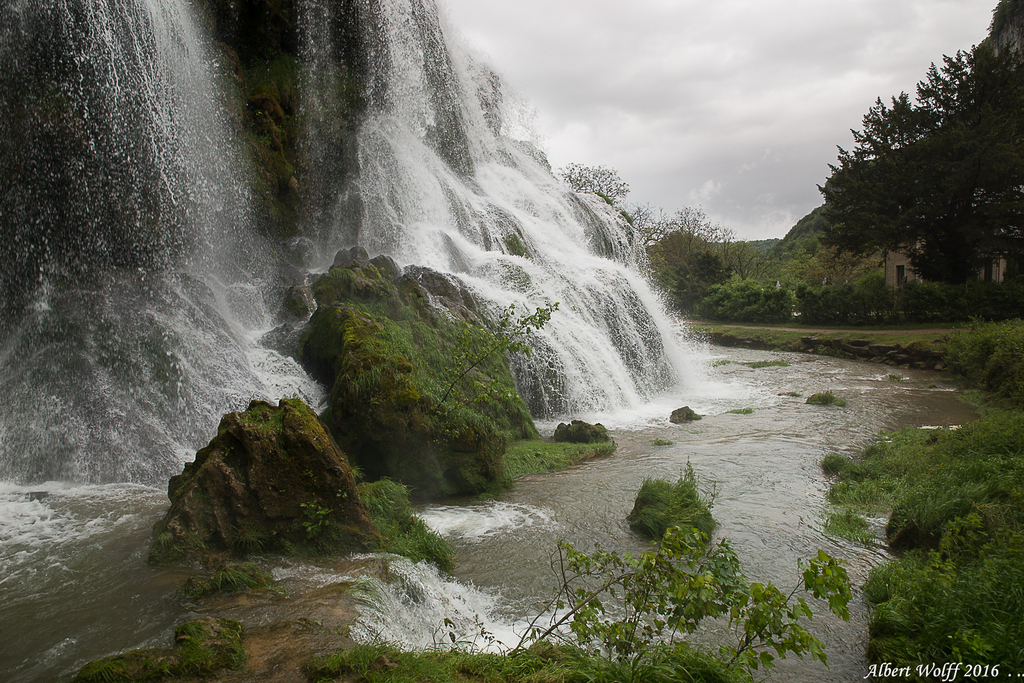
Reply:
x=802 y=237
x=764 y=246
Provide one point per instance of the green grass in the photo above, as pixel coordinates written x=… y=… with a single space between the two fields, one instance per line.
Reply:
x=405 y=533
x=720 y=362
x=849 y=525
x=740 y=411
x=533 y=456
x=826 y=398
x=776 y=339
x=661 y=442
x=955 y=500
x=231 y=578
x=543 y=663
x=769 y=364
x=661 y=504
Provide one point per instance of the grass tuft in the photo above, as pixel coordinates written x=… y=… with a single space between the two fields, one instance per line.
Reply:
x=826 y=398
x=661 y=504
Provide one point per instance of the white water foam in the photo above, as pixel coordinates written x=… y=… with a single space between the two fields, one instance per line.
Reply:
x=474 y=523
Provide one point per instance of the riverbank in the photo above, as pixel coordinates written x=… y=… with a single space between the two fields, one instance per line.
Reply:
x=954 y=503
x=921 y=348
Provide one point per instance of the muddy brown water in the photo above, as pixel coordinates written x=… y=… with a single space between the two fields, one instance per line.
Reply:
x=74 y=584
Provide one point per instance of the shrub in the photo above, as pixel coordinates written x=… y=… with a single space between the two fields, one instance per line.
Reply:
x=992 y=356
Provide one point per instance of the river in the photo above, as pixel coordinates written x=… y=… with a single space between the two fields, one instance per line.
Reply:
x=75 y=586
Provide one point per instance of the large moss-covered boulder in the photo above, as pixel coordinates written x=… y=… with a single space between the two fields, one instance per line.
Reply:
x=272 y=480
x=579 y=431
x=400 y=402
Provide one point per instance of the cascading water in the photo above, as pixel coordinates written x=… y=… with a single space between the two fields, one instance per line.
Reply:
x=125 y=217
x=438 y=179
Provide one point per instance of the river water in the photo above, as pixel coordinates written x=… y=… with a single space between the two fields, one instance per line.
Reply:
x=762 y=468
x=74 y=584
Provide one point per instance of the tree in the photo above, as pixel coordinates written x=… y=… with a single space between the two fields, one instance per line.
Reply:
x=941 y=179
x=598 y=180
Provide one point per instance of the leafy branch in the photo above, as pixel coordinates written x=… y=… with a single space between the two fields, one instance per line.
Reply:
x=476 y=344
x=625 y=604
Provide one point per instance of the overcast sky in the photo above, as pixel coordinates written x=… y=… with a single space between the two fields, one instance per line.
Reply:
x=733 y=105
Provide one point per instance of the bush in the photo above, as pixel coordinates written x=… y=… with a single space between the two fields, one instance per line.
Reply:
x=826 y=398
x=660 y=504
x=991 y=356
x=747 y=301
x=956 y=510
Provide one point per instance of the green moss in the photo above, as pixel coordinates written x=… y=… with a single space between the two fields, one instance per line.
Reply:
x=533 y=456
x=203 y=647
x=515 y=246
x=390 y=364
x=661 y=442
x=740 y=411
x=769 y=364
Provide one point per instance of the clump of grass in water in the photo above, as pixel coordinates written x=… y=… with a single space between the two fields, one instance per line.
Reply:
x=231 y=578
x=740 y=411
x=661 y=504
x=769 y=364
x=661 y=442
x=826 y=398
x=849 y=525
x=897 y=378
x=720 y=362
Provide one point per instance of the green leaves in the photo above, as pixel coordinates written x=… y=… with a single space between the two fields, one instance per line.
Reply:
x=476 y=344
x=628 y=605
x=942 y=178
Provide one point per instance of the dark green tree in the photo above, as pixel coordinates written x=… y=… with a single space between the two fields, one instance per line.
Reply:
x=942 y=178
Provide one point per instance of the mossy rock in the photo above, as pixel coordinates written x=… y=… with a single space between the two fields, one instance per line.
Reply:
x=684 y=414
x=579 y=431
x=203 y=647
x=387 y=353
x=272 y=480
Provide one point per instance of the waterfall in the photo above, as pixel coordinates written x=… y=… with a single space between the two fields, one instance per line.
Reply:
x=126 y=257
x=135 y=281
x=440 y=176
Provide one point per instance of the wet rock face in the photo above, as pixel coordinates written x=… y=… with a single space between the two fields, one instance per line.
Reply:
x=579 y=431
x=684 y=414
x=272 y=480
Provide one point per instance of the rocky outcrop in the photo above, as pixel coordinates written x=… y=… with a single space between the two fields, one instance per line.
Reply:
x=272 y=480
x=914 y=355
x=684 y=414
x=403 y=400
x=581 y=432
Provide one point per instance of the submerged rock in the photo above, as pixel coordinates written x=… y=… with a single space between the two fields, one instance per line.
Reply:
x=272 y=480
x=581 y=432
x=684 y=414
